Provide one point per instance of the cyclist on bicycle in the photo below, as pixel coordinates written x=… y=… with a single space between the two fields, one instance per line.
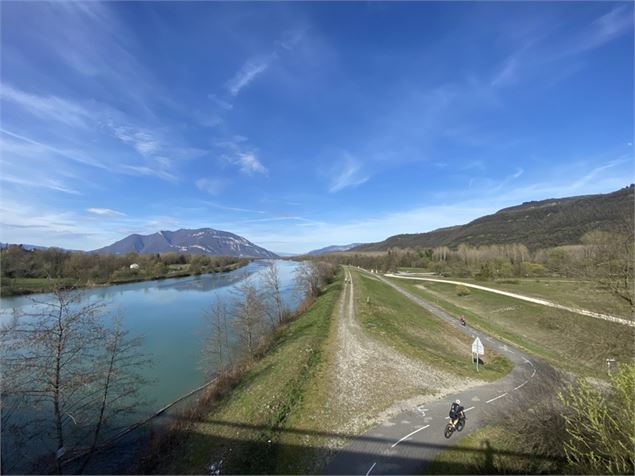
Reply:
x=456 y=412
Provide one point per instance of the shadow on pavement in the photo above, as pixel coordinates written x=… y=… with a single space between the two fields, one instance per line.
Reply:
x=258 y=452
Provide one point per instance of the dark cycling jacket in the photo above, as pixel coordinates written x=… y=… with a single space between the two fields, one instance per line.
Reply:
x=455 y=410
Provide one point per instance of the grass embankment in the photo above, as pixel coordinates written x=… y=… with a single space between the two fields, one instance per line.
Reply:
x=569 y=341
x=253 y=428
x=21 y=286
x=566 y=291
x=393 y=319
x=494 y=449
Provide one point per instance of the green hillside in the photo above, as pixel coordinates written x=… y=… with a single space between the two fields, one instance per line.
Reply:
x=538 y=224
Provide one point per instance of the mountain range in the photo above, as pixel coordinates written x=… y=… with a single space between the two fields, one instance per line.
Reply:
x=536 y=224
x=201 y=241
x=24 y=246
x=333 y=249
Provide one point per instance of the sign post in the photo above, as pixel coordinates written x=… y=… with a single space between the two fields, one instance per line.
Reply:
x=608 y=363
x=478 y=350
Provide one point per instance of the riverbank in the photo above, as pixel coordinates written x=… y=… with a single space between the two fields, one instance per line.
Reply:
x=243 y=421
x=25 y=286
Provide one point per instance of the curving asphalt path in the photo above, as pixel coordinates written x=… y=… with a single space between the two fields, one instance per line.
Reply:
x=407 y=442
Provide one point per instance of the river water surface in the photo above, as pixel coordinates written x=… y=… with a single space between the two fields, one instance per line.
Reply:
x=169 y=315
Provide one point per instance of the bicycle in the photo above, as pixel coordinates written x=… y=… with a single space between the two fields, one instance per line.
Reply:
x=449 y=429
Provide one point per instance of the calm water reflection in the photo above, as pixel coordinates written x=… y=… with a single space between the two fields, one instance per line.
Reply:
x=168 y=313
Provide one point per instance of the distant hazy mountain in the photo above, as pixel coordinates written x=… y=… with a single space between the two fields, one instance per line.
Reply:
x=333 y=249
x=25 y=246
x=203 y=241
x=538 y=224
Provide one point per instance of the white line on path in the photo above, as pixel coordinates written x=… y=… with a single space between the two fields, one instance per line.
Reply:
x=521 y=385
x=409 y=435
x=371 y=468
x=496 y=398
x=533 y=373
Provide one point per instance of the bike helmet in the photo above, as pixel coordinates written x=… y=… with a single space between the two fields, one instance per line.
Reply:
x=458 y=402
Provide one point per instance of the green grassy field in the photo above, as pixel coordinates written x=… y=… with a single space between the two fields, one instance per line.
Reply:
x=19 y=286
x=398 y=322
x=253 y=428
x=568 y=292
x=577 y=343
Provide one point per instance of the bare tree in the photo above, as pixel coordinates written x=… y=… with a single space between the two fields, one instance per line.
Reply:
x=216 y=349
x=609 y=260
x=249 y=316
x=118 y=381
x=272 y=285
x=63 y=367
x=307 y=277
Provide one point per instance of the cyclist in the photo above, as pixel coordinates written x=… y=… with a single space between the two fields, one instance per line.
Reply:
x=456 y=412
x=462 y=319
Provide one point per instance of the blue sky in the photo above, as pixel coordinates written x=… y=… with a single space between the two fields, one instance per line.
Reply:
x=301 y=125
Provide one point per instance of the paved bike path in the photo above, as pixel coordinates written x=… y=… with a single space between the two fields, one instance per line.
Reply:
x=407 y=442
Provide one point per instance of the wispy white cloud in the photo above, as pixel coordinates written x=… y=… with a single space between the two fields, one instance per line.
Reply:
x=607 y=27
x=237 y=151
x=233 y=209
x=36 y=182
x=38 y=148
x=347 y=174
x=547 y=49
x=143 y=141
x=508 y=72
x=248 y=72
x=289 y=218
x=47 y=107
x=74 y=230
x=149 y=172
x=291 y=38
x=105 y=212
x=211 y=186
x=257 y=65
x=249 y=164
x=598 y=170
x=161 y=156
x=226 y=105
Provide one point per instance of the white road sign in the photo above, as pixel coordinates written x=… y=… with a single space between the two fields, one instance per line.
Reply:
x=477 y=347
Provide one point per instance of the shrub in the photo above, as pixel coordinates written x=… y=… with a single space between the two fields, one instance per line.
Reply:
x=462 y=290
x=600 y=425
